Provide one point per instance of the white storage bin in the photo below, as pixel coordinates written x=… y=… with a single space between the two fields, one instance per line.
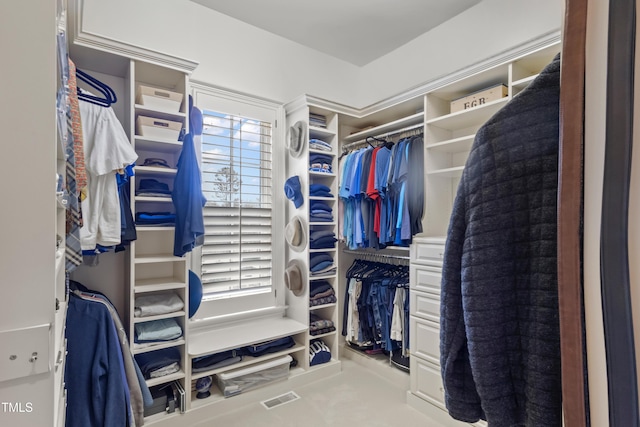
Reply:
x=236 y=382
x=153 y=127
x=158 y=99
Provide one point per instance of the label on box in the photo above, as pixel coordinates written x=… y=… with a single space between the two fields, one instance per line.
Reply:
x=479 y=98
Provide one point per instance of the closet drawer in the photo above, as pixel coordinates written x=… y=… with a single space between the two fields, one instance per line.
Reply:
x=425 y=279
x=427 y=253
x=426 y=382
x=425 y=306
x=425 y=340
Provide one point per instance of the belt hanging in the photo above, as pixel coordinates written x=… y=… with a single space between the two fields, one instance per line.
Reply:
x=570 y=206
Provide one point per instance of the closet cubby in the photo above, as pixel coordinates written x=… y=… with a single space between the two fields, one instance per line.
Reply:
x=152 y=267
x=321 y=124
x=449 y=136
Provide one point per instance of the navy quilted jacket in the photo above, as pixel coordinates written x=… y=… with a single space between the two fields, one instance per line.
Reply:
x=499 y=338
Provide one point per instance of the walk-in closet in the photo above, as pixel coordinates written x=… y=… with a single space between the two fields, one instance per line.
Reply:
x=324 y=214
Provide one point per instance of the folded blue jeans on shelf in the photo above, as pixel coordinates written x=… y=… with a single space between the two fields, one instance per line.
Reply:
x=318 y=286
x=316 y=258
x=317 y=234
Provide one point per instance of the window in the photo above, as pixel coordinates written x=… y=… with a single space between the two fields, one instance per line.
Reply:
x=237 y=182
x=242 y=166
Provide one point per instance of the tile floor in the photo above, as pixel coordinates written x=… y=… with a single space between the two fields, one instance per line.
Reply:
x=355 y=397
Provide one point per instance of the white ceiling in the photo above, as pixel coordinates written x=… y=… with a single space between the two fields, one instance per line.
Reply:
x=357 y=31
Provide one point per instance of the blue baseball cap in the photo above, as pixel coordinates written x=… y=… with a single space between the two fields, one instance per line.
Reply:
x=292 y=190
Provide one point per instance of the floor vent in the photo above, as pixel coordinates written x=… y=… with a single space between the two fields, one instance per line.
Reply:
x=280 y=400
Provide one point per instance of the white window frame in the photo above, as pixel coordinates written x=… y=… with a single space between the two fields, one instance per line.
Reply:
x=239 y=304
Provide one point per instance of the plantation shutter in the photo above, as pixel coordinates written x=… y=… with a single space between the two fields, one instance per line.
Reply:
x=236 y=170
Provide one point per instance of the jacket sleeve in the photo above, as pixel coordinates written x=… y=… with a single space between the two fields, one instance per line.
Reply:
x=461 y=397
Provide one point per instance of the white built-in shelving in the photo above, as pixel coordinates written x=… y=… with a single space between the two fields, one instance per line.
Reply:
x=298 y=306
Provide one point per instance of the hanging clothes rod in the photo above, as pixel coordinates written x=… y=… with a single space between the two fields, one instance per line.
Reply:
x=376 y=255
x=386 y=135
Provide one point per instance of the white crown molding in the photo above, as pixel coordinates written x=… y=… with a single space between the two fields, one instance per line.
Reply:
x=545 y=40
x=81 y=37
x=200 y=86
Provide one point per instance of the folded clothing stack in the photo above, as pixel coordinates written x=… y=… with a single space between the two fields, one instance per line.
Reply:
x=319 y=190
x=159 y=363
x=321 y=292
x=156 y=162
x=157 y=330
x=153 y=188
x=321 y=263
x=155 y=218
x=319 y=162
x=318 y=353
x=319 y=326
x=322 y=239
x=216 y=360
x=266 y=347
x=318 y=144
x=230 y=357
x=155 y=304
x=320 y=211
x=317 y=120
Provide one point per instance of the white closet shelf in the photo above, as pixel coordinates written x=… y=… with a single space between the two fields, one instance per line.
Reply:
x=148 y=259
x=153 y=285
x=322 y=223
x=329 y=153
x=467 y=118
x=242 y=334
x=322 y=174
x=319 y=307
x=455 y=145
x=143 y=228
x=160 y=114
x=522 y=83
x=333 y=361
x=138 y=348
x=328 y=199
x=167 y=378
x=143 y=143
x=322 y=250
x=248 y=361
x=153 y=199
x=153 y=170
x=327 y=276
x=158 y=317
x=386 y=128
x=453 y=172
x=326 y=334
x=318 y=132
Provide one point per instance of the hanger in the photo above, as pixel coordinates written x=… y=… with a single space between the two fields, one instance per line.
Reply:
x=109 y=96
